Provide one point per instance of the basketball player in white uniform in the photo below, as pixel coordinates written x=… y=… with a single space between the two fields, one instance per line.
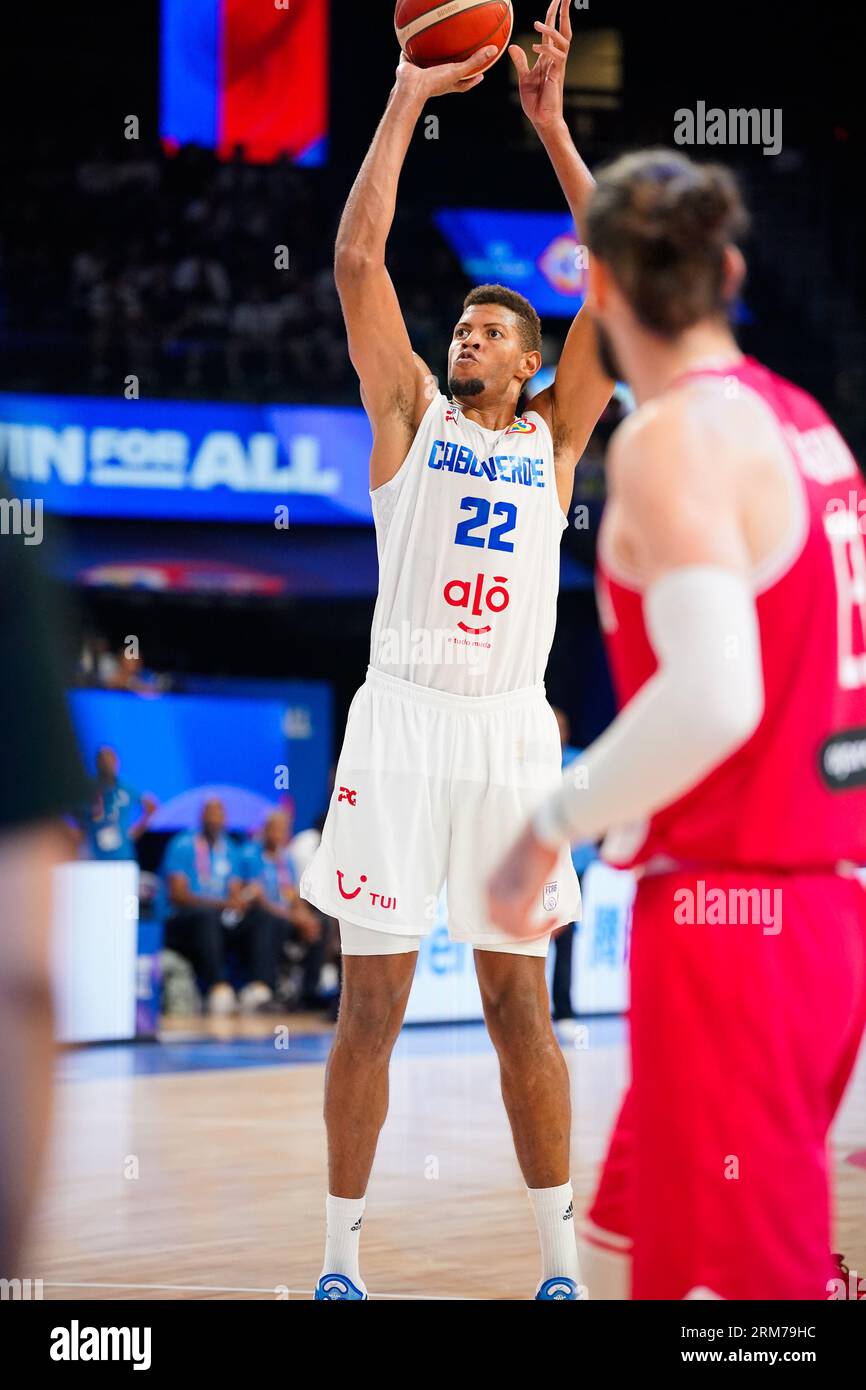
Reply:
x=450 y=742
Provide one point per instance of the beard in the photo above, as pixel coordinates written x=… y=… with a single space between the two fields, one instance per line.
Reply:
x=472 y=386
x=606 y=354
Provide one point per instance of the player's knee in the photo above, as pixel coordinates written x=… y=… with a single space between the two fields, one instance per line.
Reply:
x=519 y=1026
x=371 y=1015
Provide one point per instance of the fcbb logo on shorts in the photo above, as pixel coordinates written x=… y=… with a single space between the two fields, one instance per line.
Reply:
x=550 y=896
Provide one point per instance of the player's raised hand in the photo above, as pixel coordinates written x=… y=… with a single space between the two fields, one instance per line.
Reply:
x=514 y=890
x=438 y=81
x=542 y=86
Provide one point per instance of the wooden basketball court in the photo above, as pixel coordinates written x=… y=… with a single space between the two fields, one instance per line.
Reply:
x=195 y=1167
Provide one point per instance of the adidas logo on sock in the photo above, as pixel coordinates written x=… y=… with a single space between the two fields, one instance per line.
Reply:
x=569 y=1212
x=357 y=1225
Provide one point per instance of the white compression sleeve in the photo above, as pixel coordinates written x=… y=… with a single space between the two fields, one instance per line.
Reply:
x=704 y=700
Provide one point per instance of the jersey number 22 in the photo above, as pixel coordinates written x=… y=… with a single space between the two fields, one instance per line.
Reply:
x=480 y=507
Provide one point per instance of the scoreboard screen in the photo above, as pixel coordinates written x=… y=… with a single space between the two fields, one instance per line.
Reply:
x=239 y=74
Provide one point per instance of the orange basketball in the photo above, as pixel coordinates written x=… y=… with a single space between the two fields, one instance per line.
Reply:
x=431 y=33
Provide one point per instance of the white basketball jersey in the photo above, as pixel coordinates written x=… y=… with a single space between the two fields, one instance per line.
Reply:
x=468 y=534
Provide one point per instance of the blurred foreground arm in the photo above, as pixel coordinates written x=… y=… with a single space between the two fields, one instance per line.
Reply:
x=706 y=696
x=41 y=777
x=27 y=858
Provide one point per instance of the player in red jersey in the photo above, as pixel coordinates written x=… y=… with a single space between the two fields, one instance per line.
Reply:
x=732 y=592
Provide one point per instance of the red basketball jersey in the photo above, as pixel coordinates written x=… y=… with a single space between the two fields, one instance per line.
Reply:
x=794 y=795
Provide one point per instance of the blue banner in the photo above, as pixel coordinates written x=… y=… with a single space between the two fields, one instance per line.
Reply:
x=249 y=749
x=102 y=456
x=536 y=253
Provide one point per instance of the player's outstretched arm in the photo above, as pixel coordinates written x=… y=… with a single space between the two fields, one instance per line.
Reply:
x=582 y=389
x=392 y=377
x=542 y=90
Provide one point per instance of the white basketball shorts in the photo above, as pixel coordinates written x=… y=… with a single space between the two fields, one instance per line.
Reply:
x=432 y=787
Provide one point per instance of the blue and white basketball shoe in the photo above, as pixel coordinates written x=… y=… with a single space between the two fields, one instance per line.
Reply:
x=336 y=1286
x=562 y=1287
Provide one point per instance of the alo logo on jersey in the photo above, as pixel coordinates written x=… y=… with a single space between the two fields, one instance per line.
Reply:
x=459 y=593
x=521 y=426
x=842 y=760
x=550 y=897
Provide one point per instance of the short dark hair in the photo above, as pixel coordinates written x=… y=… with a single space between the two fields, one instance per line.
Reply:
x=662 y=222
x=530 y=323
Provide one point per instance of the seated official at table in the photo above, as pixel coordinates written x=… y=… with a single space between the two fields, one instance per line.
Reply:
x=209 y=917
x=270 y=891
x=107 y=824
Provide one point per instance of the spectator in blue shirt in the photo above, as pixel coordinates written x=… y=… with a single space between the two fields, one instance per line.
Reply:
x=208 y=912
x=108 y=822
x=582 y=855
x=271 y=891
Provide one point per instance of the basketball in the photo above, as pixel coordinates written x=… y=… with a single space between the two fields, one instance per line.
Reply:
x=430 y=34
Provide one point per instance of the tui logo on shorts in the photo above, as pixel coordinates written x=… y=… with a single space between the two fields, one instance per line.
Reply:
x=343 y=892
x=551 y=895
x=376 y=899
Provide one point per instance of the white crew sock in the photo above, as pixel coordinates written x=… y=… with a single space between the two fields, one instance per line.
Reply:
x=554 y=1216
x=344 y=1216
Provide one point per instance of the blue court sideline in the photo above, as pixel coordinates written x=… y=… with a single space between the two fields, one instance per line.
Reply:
x=168 y=1057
